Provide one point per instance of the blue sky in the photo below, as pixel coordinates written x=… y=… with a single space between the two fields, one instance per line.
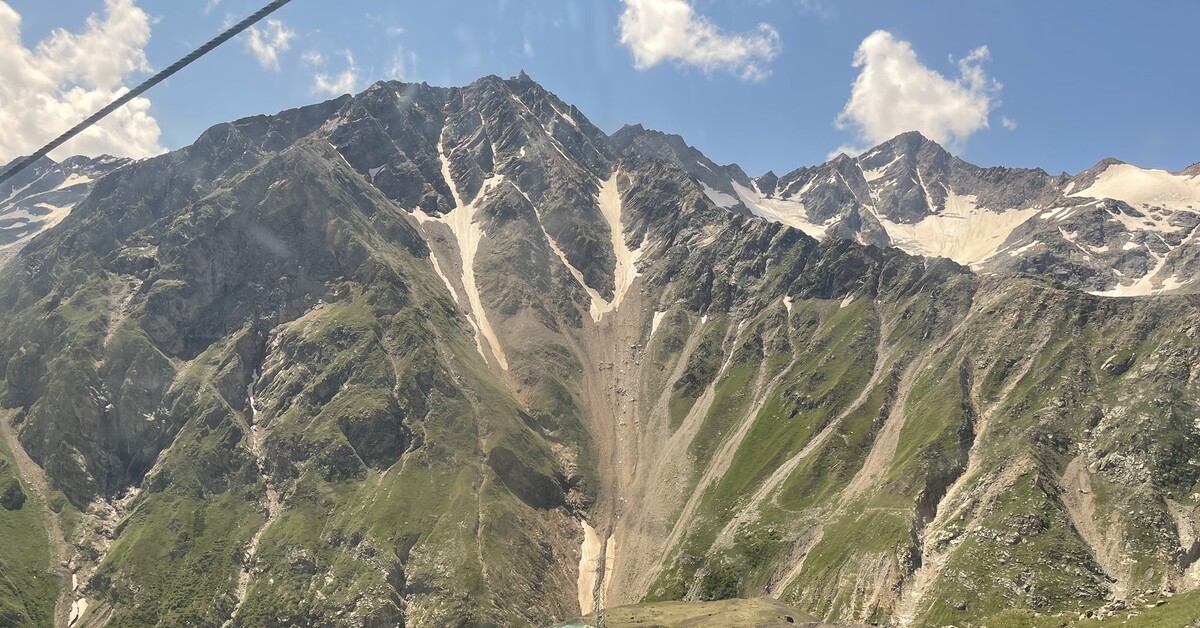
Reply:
x=757 y=82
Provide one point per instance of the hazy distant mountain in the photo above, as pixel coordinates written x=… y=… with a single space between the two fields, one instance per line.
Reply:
x=454 y=356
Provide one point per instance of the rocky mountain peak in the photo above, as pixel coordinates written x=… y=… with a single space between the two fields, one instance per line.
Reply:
x=42 y=196
x=1088 y=177
x=435 y=356
x=909 y=142
x=766 y=182
x=673 y=149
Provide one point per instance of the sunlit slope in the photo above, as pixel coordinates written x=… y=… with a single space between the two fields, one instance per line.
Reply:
x=455 y=356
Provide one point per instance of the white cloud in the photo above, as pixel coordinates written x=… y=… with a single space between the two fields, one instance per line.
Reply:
x=844 y=149
x=670 y=30
x=895 y=93
x=1008 y=123
x=343 y=82
x=67 y=77
x=403 y=66
x=527 y=47
x=212 y=4
x=814 y=6
x=269 y=42
x=313 y=58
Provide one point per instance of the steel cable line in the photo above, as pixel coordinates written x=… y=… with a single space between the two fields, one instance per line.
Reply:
x=230 y=33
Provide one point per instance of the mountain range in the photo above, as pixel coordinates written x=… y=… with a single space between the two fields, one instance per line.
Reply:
x=455 y=356
x=41 y=196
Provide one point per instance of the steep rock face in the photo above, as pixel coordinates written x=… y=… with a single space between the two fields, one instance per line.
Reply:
x=281 y=334
x=1117 y=230
x=422 y=355
x=41 y=196
x=673 y=150
x=1114 y=230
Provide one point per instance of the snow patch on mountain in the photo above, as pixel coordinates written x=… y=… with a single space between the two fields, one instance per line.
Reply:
x=589 y=567
x=1145 y=187
x=74 y=180
x=468 y=234
x=789 y=212
x=658 y=316
x=719 y=198
x=598 y=304
x=1148 y=285
x=963 y=232
x=626 y=271
x=877 y=173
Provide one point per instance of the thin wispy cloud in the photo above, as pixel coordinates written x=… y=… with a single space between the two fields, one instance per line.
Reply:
x=658 y=31
x=343 y=82
x=313 y=58
x=67 y=76
x=403 y=66
x=269 y=42
x=895 y=93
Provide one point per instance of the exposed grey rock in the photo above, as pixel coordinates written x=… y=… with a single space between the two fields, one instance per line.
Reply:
x=41 y=196
x=255 y=323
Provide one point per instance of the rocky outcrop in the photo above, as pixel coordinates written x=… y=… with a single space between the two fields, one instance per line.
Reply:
x=42 y=195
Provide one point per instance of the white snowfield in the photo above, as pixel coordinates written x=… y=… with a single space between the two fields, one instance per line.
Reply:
x=963 y=232
x=608 y=200
x=1149 y=187
x=56 y=215
x=626 y=270
x=972 y=236
x=423 y=218
x=875 y=173
x=658 y=316
x=468 y=233
x=1153 y=282
x=783 y=211
x=72 y=181
x=598 y=306
x=719 y=198
x=1144 y=189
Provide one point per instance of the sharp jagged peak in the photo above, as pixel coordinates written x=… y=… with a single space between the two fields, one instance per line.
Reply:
x=910 y=138
x=1087 y=177
x=638 y=130
x=1103 y=165
x=767 y=182
x=672 y=148
x=631 y=133
x=909 y=145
